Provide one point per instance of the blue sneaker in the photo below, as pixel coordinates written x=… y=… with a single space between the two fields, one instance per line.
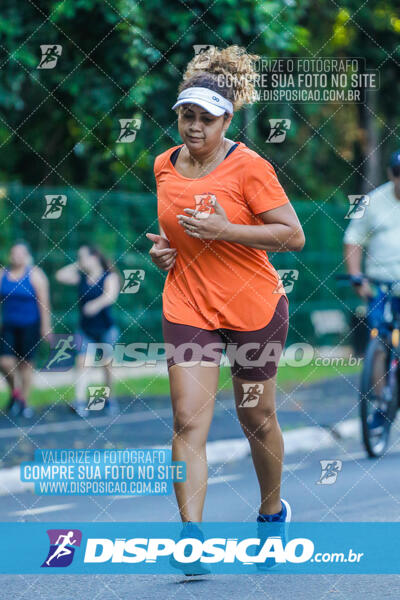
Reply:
x=111 y=407
x=280 y=528
x=190 y=530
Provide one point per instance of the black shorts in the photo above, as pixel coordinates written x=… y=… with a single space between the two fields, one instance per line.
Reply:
x=253 y=355
x=21 y=342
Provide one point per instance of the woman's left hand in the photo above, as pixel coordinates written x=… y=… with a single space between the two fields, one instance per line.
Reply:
x=209 y=226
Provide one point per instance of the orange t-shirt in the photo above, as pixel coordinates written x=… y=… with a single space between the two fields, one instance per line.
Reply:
x=217 y=284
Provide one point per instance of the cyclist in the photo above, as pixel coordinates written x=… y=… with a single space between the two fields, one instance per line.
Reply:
x=377 y=232
x=220 y=208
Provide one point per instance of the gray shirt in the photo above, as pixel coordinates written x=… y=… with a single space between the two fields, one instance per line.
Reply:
x=378 y=231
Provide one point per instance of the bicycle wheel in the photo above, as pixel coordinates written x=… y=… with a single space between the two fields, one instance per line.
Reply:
x=379 y=396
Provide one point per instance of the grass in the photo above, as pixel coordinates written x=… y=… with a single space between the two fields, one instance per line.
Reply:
x=288 y=378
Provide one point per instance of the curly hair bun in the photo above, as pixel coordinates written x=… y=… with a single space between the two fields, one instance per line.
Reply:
x=230 y=72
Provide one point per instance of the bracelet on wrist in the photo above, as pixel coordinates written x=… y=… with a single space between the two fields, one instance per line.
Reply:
x=357 y=280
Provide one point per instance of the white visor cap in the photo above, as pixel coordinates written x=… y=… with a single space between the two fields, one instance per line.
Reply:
x=211 y=101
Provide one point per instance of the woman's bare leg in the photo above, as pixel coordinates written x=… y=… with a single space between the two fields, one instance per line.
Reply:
x=193 y=390
x=8 y=364
x=261 y=427
x=82 y=375
x=25 y=369
x=108 y=377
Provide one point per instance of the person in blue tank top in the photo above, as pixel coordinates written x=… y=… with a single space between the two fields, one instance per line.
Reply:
x=26 y=319
x=98 y=284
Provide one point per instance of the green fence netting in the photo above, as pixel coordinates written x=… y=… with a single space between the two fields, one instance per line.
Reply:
x=118 y=221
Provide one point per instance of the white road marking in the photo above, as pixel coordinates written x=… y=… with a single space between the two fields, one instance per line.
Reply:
x=224 y=478
x=40 y=510
x=295 y=466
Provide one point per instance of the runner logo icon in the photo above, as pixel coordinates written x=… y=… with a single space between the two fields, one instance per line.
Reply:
x=204 y=205
x=129 y=129
x=50 y=55
x=357 y=207
x=98 y=394
x=132 y=280
x=62 y=547
x=278 y=130
x=287 y=277
x=251 y=394
x=329 y=471
x=54 y=206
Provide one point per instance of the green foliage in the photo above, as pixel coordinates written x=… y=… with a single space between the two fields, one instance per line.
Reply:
x=118 y=59
x=59 y=126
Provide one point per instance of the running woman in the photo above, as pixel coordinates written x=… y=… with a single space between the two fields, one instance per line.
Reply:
x=98 y=285
x=26 y=318
x=220 y=208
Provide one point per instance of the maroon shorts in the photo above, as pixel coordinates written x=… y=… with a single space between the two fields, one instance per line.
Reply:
x=253 y=355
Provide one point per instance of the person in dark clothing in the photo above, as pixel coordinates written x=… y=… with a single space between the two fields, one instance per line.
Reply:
x=26 y=319
x=98 y=286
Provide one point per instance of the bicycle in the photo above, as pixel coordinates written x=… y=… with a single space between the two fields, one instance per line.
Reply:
x=380 y=377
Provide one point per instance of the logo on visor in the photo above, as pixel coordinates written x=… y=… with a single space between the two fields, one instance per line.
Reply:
x=215 y=98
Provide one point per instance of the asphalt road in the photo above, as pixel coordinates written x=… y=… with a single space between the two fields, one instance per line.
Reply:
x=365 y=490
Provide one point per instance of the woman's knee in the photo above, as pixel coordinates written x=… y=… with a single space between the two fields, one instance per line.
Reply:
x=259 y=424
x=190 y=421
x=184 y=420
x=7 y=363
x=25 y=365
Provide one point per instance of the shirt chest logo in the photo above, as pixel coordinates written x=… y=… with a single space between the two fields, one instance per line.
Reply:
x=204 y=205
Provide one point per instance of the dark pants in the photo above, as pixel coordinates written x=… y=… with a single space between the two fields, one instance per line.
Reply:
x=254 y=363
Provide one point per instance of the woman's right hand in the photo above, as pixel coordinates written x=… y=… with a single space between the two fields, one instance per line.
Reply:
x=161 y=254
